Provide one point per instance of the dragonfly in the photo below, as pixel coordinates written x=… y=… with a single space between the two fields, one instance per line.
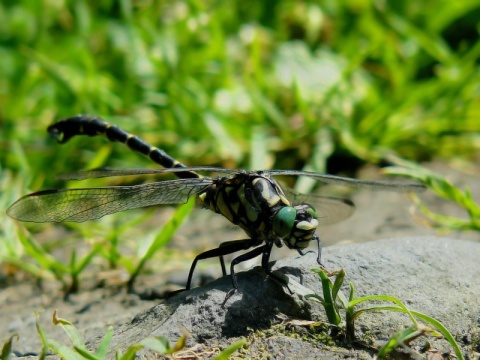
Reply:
x=252 y=200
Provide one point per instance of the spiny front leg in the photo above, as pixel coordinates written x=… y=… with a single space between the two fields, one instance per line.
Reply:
x=224 y=249
x=249 y=255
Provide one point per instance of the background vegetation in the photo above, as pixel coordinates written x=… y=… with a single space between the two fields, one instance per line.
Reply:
x=320 y=85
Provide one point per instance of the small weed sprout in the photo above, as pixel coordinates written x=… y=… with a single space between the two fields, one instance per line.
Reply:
x=333 y=299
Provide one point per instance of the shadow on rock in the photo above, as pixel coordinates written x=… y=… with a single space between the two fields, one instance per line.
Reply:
x=204 y=313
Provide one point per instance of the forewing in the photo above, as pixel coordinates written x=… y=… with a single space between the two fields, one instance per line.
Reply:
x=77 y=205
x=109 y=172
x=330 y=210
x=355 y=183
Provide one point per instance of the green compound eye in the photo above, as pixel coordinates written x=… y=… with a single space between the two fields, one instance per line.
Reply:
x=312 y=212
x=284 y=220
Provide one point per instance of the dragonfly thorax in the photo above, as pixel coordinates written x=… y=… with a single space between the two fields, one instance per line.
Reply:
x=256 y=203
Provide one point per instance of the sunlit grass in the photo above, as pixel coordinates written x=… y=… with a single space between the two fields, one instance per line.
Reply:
x=443 y=188
x=201 y=78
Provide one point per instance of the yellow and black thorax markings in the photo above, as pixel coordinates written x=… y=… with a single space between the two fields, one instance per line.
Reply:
x=249 y=200
x=93 y=126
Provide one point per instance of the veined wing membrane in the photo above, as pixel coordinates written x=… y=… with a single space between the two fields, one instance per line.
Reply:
x=330 y=210
x=109 y=172
x=355 y=183
x=324 y=178
x=78 y=205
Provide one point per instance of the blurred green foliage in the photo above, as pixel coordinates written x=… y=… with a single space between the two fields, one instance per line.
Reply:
x=283 y=84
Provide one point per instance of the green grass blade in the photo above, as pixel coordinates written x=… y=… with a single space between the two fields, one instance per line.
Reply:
x=159 y=344
x=444 y=189
x=70 y=330
x=330 y=307
x=443 y=330
x=85 y=354
x=43 y=338
x=42 y=257
x=381 y=298
x=435 y=323
x=7 y=347
x=398 y=339
x=131 y=352
x=65 y=352
x=226 y=353
x=104 y=344
x=87 y=259
x=338 y=284
x=164 y=236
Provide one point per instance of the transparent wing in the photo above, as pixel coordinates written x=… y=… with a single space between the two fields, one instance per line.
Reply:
x=324 y=178
x=108 y=172
x=78 y=205
x=330 y=210
x=355 y=183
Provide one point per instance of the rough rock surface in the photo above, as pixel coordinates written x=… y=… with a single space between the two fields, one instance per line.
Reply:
x=437 y=276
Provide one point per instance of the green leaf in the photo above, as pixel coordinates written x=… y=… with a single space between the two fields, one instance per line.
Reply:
x=444 y=189
x=7 y=347
x=159 y=344
x=42 y=257
x=225 y=354
x=104 y=344
x=85 y=354
x=398 y=339
x=164 y=235
x=380 y=298
x=43 y=338
x=329 y=304
x=71 y=331
x=338 y=284
x=64 y=351
x=131 y=352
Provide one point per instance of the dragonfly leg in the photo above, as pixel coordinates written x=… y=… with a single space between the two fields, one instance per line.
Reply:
x=247 y=256
x=319 y=254
x=227 y=243
x=266 y=256
x=266 y=265
x=222 y=264
x=226 y=248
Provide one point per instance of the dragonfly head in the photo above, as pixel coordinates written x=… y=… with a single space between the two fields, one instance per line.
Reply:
x=296 y=225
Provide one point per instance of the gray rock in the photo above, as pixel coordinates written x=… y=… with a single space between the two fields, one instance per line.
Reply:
x=437 y=276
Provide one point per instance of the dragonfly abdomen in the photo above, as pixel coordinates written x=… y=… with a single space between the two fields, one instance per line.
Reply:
x=64 y=130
